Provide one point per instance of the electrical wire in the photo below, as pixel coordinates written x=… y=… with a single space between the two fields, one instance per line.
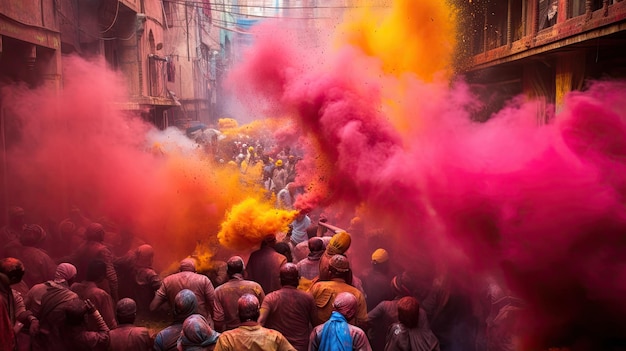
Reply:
x=117 y=11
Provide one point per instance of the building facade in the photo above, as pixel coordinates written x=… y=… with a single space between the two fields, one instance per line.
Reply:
x=541 y=48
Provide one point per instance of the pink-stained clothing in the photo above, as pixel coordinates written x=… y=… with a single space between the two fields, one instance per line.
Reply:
x=253 y=337
x=359 y=339
x=38 y=266
x=7 y=336
x=94 y=250
x=227 y=296
x=291 y=312
x=200 y=285
x=324 y=294
x=128 y=337
x=51 y=313
x=103 y=302
x=264 y=268
x=77 y=338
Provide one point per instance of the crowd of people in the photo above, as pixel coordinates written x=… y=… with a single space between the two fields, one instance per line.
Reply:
x=304 y=290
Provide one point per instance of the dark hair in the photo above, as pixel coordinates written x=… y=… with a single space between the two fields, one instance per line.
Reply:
x=409 y=311
x=96 y=271
x=234 y=266
x=284 y=249
x=289 y=275
x=248 y=307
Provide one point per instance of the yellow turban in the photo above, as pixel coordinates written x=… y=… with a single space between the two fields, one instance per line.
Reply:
x=339 y=244
x=380 y=256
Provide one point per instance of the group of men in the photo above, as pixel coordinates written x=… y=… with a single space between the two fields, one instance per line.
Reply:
x=309 y=299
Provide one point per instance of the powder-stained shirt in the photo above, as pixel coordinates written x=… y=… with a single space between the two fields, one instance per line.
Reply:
x=264 y=268
x=291 y=312
x=200 y=285
x=100 y=299
x=324 y=294
x=359 y=339
x=128 y=337
x=227 y=295
x=253 y=337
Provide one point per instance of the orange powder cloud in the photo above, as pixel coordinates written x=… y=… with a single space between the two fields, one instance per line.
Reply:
x=414 y=36
x=251 y=220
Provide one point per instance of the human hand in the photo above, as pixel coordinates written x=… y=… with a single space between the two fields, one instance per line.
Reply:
x=91 y=308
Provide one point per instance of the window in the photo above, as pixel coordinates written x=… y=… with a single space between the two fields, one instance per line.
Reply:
x=548 y=11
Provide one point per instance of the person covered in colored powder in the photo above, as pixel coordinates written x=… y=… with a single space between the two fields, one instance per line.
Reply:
x=337 y=333
x=250 y=335
x=289 y=310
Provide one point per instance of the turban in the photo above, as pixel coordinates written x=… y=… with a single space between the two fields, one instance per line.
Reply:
x=380 y=256
x=196 y=334
x=187 y=265
x=125 y=307
x=64 y=272
x=339 y=243
x=340 y=263
x=398 y=283
x=345 y=303
x=185 y=304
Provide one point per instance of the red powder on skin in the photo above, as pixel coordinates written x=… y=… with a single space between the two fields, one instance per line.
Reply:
x=542 y=206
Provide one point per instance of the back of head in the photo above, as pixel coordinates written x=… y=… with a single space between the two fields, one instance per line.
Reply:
x=125 y=311
x=339 y=243
x=289 y=275
x=339 y=266
x=187 y=265
x=185 y=304
x=346 y=304
x=32 y=234
x=402 y=284
x=144 y=255
x=196 y=333
x=269 y=240
x=248 y=306
x=94 y=232
x=380 y=257
x=408 y=311
x=96 y=271
x=234 y=265
x=316 y=245
x=13 y=269
x=65 y=272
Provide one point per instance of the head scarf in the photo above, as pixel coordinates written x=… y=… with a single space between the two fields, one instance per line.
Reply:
x=346 y=304
x=94 y=232
x=336 y=334
x=125 y=307
x=188 y=265
x=339 y=243
x=64 y=272
x=185 y=304
x=32 y=234
x=196 y=334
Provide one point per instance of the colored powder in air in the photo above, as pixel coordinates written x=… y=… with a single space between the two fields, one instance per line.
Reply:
x=75 y=148
x=250 y=221
x=541 y=206
x=413 y=36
